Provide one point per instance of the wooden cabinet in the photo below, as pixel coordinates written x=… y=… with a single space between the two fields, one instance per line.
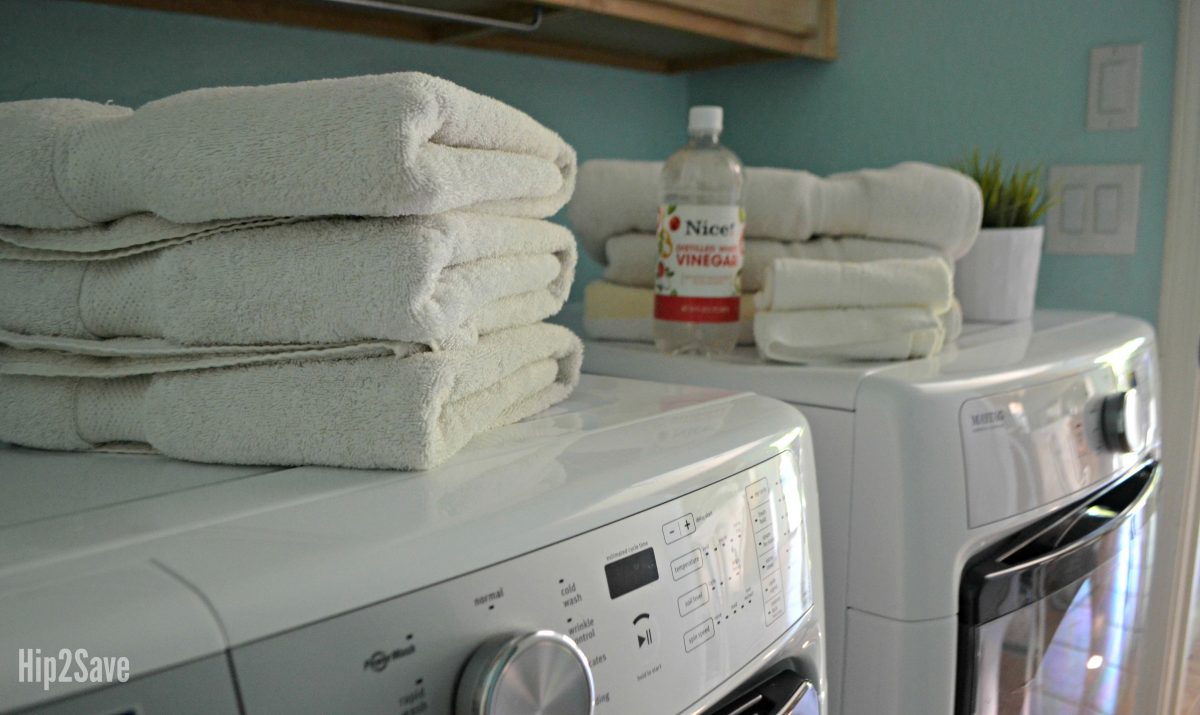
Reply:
x=651 y=35
x=797 y=17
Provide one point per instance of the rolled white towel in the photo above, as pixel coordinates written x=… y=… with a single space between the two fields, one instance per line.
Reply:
x=632 y=256
x=377 y=145
x=438 y=280
x=401 y=411
x=837 y=334
x=799 y=284
x=914 y=202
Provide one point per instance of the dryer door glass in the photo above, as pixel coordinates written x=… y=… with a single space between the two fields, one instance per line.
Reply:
x=1056 y=615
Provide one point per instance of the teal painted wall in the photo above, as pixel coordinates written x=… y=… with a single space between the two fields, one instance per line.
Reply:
x=930 y=79
x=55 y=48
x=917 y=79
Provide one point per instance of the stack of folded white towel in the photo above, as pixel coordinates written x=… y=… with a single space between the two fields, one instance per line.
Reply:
x=348 y=272
x=852 y=266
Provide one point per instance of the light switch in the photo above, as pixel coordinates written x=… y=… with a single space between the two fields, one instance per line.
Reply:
x=1097 y=209
x=1108 y=208
x=1074 y=203
x=1114 y=80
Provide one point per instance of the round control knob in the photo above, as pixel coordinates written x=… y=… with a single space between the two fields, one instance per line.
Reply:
x=1121 y=422
x=541 y=673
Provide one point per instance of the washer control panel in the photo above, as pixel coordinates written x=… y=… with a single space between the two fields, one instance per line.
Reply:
x=1029 y=447
x=665 y=605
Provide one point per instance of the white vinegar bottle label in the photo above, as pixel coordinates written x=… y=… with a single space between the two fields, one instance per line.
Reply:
x=700 y=251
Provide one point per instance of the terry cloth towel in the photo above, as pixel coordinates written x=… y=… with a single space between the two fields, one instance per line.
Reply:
x=50 y=356
x=837 y=334
x=378 y=145
x=633 y=256
x=792 y=284
x=402 y=412
x=615 y=312
x=914 y=202
x=437 y=280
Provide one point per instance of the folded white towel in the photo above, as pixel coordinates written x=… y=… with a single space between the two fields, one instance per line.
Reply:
x=616 y=312
x=380 y=145
x=52 y=356
x=632 y=257
x=438 y=280
x=129 y=236
x=914 y=202
x=409 y=412
x=799 y=284
x=804 y=336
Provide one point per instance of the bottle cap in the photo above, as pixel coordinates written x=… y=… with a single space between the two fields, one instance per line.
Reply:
x=705 y=119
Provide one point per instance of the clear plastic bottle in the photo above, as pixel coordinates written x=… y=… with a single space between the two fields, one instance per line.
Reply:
x=700 y=239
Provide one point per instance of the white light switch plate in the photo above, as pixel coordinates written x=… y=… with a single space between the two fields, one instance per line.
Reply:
x=1097 y=209
x=1114 y=86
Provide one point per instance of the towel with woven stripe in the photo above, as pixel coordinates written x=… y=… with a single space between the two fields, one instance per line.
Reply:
x=376 y=145
x=400 y=407
x=439 y=280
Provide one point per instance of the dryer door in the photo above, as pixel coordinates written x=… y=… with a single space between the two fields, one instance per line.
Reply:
x=1049 y=619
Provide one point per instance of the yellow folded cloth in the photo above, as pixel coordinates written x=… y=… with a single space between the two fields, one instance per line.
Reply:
x=616 y=312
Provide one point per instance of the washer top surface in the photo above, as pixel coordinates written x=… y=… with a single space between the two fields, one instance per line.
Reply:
x=1024 y=349
x=273 y=547
x=43 y=485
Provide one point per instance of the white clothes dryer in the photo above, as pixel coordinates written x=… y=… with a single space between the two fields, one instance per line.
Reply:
x=987 y=514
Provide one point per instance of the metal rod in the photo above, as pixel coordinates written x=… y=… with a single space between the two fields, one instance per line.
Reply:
x=448 y=16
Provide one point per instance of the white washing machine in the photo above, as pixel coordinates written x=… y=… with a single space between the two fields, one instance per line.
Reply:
x=639 y=549
x=986 y=514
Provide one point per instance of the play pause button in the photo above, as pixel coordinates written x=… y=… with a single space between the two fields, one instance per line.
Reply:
x=644 y=630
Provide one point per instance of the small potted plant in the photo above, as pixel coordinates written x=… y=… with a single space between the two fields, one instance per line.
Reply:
x=997 y=280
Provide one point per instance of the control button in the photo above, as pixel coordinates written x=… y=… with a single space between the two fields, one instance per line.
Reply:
x=534 y=672
x=774 y=608
x=643 y=629
x=765 y=541
x=675 y=530
x=767 y=563
x=761 y=516
x=693 y=599
x=1121 y=422
x=694 y=638
x=686 y=564
x=758 y=493
x=687 y=525
x=771 y=587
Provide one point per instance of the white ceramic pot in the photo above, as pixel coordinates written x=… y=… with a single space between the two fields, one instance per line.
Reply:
x=997 y=280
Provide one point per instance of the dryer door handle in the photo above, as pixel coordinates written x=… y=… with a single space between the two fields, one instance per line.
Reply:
x=785 y=693
x=803 y=702
x=1054 y=553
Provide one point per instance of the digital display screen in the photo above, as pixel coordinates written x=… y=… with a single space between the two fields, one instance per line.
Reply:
x=631 y=573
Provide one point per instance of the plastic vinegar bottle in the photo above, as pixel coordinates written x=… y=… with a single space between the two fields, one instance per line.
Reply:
x=701 y=222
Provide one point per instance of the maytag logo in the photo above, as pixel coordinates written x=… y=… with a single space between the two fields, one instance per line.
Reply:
x=991 y=418
x=704 y=228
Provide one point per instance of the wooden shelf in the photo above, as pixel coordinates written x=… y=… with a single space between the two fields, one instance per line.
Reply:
x=651 y=35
